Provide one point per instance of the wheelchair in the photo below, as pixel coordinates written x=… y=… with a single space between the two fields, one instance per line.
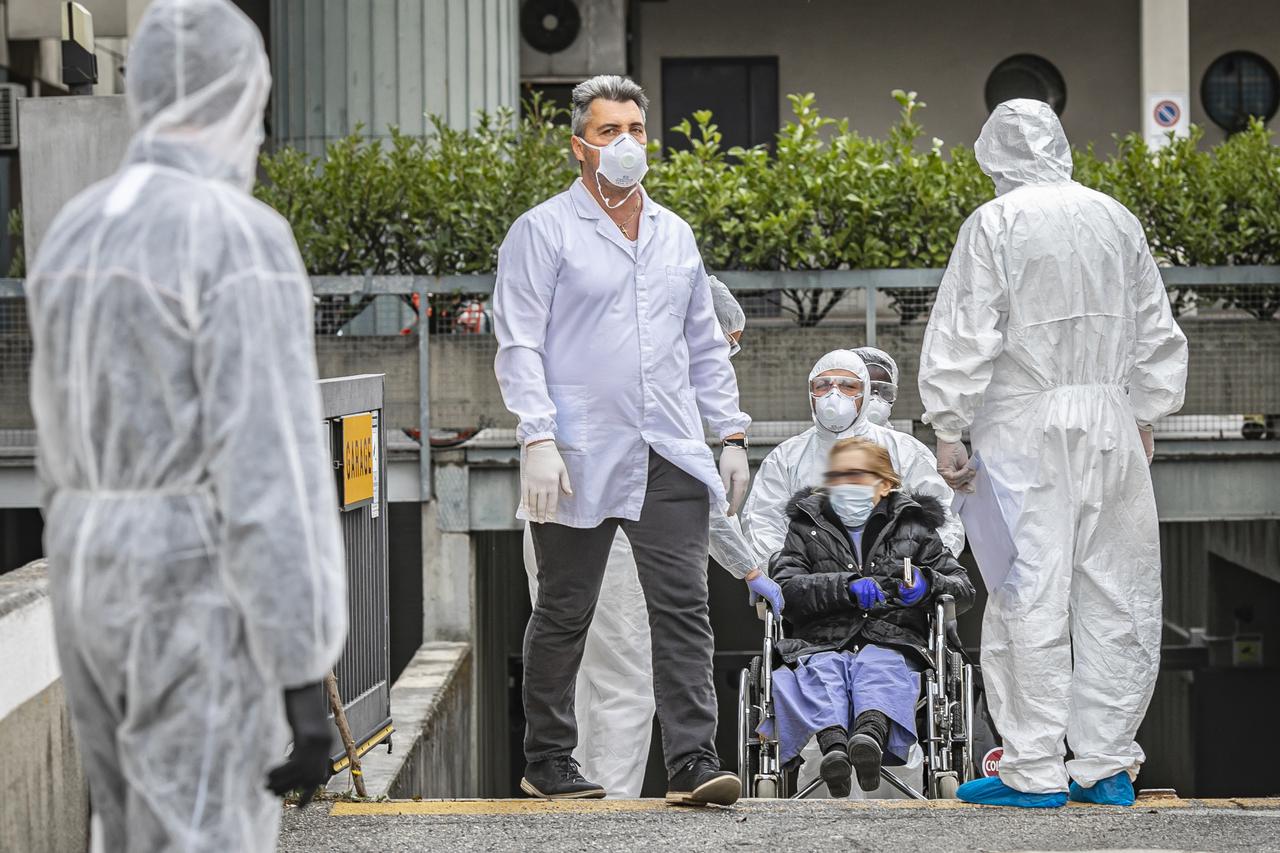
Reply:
x=954 y=728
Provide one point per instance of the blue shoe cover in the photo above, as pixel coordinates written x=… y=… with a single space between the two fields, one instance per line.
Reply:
x=990 y=791
x=1115 y=790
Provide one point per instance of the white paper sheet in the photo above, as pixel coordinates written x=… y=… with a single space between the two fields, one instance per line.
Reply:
x=986 y=528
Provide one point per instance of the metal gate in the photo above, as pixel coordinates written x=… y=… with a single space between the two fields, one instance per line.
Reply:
x=353 y=412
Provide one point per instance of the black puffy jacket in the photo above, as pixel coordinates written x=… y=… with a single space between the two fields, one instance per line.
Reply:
x=817 y=564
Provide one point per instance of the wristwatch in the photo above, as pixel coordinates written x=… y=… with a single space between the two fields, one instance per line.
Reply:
x=736 y=442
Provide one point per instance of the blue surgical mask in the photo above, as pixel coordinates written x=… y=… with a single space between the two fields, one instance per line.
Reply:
x=852 y=503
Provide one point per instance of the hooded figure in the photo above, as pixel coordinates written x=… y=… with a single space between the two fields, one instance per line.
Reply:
x=1053 y=343
x=195 y=555
x=800 y=462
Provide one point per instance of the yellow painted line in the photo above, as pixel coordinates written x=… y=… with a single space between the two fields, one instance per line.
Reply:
x=494 y=808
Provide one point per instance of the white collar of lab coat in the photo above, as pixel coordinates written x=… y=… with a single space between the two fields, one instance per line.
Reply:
x=589 y=208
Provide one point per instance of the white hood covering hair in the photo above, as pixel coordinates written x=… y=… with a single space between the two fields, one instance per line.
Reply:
x=1023 y=143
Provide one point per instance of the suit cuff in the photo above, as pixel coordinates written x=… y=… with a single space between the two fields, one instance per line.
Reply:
x=947 y=435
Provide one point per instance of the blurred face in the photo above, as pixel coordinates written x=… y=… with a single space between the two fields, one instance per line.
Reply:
x=854 y=467
x=606 y=121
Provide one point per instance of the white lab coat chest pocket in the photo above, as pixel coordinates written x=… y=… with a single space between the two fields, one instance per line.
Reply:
x=572 y=422
x=679 y=289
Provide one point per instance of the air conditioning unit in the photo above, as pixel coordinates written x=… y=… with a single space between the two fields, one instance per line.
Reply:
x=567 y=41
x=9 y=94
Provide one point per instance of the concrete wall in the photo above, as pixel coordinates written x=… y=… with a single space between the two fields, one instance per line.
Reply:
x=853 y=54
x=67 y=144
x=1235 y=368
x=1218 y=28
x=43 y=796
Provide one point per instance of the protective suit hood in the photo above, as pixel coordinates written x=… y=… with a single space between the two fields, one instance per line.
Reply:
x=197 y=86
x=842 y=359
x=871 y=355
x=1023 y=143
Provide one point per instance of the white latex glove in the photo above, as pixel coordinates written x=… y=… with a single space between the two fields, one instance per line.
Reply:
x=736 y=474
x=1148 y=436
x=954 y=466
x=543 y=476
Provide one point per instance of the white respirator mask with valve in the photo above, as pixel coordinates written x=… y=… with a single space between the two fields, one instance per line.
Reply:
x=622 y=163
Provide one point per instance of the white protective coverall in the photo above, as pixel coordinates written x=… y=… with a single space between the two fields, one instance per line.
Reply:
x=801 y=461
x=195 y=555
x=614 y=703
x=1050 y=337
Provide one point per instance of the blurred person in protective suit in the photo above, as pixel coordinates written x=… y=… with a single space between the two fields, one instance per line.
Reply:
x=196 y=563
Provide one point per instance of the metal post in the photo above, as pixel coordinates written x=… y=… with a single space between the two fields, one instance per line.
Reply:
x=424 y=388
x=871 y=315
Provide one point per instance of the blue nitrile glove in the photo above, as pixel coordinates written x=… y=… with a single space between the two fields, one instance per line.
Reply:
x=911 y=595
x=764 y=586
x=867 y=592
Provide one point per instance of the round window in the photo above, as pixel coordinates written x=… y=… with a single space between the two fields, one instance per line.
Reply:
x=1237 y=87
x=1026 y=76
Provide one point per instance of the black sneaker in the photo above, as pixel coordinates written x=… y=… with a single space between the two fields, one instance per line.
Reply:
x=837 y=772
x=558 y=779
x=702 y=783
x=866 y=755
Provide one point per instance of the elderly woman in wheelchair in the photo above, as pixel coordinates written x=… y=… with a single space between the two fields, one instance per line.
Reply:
x=861 y=568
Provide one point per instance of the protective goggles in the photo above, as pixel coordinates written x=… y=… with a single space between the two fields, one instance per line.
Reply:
x=847 y=385
x=886 y=391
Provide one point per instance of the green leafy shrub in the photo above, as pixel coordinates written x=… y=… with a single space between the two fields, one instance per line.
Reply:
x=821 y=197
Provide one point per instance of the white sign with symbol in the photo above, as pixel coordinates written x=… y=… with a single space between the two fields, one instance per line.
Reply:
x=1166 y=111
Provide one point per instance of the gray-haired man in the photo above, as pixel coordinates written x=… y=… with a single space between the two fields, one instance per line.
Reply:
x=611 y=357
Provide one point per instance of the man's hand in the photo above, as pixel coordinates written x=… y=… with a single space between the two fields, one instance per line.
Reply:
x=543 y=476
x=954 y=465
x=1148 y=436
x=736 y=474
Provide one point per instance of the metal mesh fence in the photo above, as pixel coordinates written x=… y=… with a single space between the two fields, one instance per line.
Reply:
x=15 y=364
x=371 y=326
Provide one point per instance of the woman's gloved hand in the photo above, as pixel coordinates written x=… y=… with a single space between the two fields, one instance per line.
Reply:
x=307 y=767
x=919 y=588
x=867 y=592
x=764 y=586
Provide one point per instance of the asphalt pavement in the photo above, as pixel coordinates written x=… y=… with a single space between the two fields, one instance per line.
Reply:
x=827 y=825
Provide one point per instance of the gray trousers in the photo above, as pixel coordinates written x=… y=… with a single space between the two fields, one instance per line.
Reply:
x=670 y=546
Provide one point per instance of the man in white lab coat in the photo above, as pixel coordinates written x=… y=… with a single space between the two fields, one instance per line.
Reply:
x=610 y=355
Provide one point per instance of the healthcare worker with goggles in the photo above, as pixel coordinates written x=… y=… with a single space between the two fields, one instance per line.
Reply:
x=610 y=355
x=196 y=568
x=1053 y=343
x=614 y=696
x=841 y=409
x=883 y=371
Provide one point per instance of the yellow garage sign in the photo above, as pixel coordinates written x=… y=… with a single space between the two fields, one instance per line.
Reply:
x=359 y=459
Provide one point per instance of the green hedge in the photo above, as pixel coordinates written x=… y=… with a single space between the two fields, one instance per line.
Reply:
x=822 y=197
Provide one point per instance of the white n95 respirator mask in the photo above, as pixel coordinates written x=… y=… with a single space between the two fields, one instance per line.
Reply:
x=835 y=412
x=622 y=163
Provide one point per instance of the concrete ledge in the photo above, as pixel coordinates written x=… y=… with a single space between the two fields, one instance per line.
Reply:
x=44 y=801
x=430 y=706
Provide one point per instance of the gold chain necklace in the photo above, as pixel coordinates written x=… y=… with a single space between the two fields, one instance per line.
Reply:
x=622 y=226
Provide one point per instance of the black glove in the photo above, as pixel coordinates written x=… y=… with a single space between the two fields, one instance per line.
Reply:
x=307 y=767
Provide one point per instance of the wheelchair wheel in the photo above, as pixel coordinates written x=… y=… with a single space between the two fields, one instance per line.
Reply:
x=947 y=786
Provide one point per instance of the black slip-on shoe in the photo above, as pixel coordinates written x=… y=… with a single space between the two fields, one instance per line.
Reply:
x=837 y=772
x=558 y=779
x=865 y=754
x=701 y=783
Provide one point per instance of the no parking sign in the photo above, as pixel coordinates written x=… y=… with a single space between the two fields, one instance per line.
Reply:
x=1166 y=111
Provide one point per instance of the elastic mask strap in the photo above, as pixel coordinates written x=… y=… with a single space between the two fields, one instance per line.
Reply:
x=626 y=198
